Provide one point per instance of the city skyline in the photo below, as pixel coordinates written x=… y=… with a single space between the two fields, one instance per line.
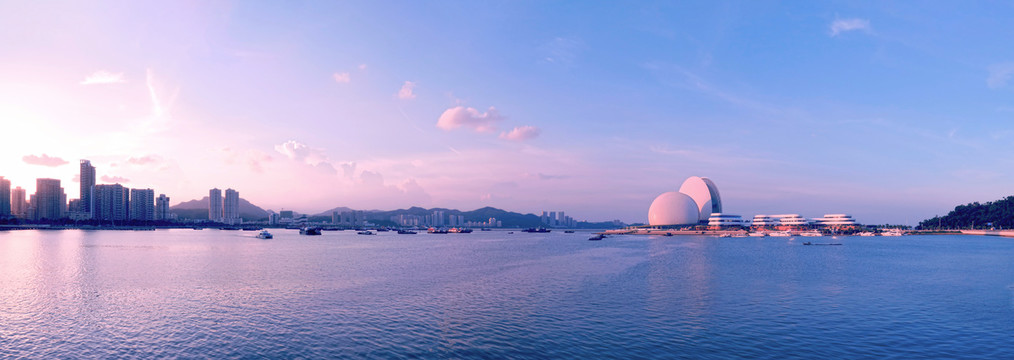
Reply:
x=887 y=113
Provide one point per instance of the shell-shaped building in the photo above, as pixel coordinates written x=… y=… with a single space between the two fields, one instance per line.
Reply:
x=673 y=208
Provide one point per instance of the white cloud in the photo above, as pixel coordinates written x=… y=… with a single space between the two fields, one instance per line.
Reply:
x=342 y=78
x=839 y=26
x=362 y=66
x=999 y=74
x=44 y=160
x=521 y=133
x=301 y=152
x=471 y=118
x=103 y=77
x=406 y=91
x=114 y=179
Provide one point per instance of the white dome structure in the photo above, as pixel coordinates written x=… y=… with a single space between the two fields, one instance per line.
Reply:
x=705 y=194
x=673 y=208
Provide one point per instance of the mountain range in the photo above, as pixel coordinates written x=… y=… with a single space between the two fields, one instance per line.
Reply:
x=198 y=210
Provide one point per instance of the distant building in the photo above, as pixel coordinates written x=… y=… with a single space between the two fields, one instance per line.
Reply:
x=162 y=208
x=215 y=205
x=719 y=220
x=231 y=208
x=49 y=200
x=5 y=198
x=87 y=178
x=110 y=202
x=19 y=206
x=286 y=214
x=142 y=204
x=835 y=221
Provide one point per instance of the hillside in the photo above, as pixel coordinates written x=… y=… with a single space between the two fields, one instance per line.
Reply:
x=198 y=209
x=508 y=218
x=998 y=214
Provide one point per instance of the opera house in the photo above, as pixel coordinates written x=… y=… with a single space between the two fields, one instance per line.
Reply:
x=694 y=203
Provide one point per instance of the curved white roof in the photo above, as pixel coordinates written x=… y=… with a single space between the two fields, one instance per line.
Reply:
x=673 y=208
x=705 y=194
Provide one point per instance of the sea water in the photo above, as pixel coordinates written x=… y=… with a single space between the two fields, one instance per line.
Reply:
x=228 y=294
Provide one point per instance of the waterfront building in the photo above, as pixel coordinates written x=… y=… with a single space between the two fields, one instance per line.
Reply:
x=791 y=221
x=694 y=203
x=5 y=198
x=19 y=206
x=231 y=207
x=162 y=208
x=215 y=205
x=49 y=200
x=835 y=221
x=142 y=204
x=110 y=202
x=764 y=221
x=719 y=220
x=87 y=178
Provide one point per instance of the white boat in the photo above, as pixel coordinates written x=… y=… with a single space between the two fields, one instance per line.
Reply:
x=780 y=233
x=892 y=232
x=811 y=233
x=757 y=234
x=264 y=234
x=867 y=233
x=739 y=235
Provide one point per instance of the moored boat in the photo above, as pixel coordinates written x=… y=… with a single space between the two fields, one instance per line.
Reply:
x=366 y=232
x=536 y=230
x=309 y=231
x=597 y=237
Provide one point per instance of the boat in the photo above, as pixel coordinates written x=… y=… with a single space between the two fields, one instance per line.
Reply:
x=756 y=234
x=407 y=232
x=486 y=229
x=264 y=234
x=739 y=235
x=436 y=231
x=892 y=232
x=867 y=233
x=251 y=228
x=510 y=232
x=811 y=233
x=807 y=243
x=725 y=235
x=568 y=231
x=597 y=237
x=365 y=232
x=780 y=233
x=309 y=231
x=459 y=230
x=536 y=230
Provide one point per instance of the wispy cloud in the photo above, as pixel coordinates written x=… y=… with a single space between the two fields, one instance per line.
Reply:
x=44 y=160
x=406 y=92
x=342 y=78
x=144 y=160
x=521 y=133
x=460 y=116
x=839 y=26
x=114 y=179
x=104 y=77
x=999 y=74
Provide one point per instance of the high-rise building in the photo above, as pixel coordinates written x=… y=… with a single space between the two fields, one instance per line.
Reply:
x=142 y=204
x=110 y=202
x=48 y=200
x=5 y=198
x=231 y=209
x=19 y=207
x=87 y=182
x=215 y=205
x=162 y=207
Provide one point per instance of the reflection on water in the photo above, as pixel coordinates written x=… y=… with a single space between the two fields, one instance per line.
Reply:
x=490 y=294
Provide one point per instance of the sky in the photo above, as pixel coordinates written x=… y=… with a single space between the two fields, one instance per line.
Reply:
x=890 y=112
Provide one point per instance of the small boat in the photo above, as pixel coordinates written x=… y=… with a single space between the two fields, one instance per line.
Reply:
x=807 y=243
x=459 y=230
x=668 y=234
x=486 y=229
x=739 y=235
x=436 y=231
x=365 y=232
x=252 y=228
x=811 y=233
x=867 y=233
x=536 y=230
x=597 y=237
x=892 y=232
x=510 y=232
x=407 y=232
x=309 y=231
x=756 y=234
x=568 y=231
x=725 y=235
x=264 y=234
x=780 y=233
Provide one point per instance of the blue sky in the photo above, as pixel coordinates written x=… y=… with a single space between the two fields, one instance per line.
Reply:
x=884 y=110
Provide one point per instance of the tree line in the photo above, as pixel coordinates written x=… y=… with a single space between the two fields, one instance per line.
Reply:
x=994 y=214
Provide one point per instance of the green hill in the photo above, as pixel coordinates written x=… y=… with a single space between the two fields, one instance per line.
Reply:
x=998 y=214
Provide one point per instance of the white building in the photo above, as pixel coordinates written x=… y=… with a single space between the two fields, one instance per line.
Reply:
x=142 y=204
x=725 y=220
x=230 y=212
x=694 y=203
x=215 y=205
x=835 y=220
x=162 y=207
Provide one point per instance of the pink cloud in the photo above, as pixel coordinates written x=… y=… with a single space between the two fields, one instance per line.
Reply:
x=342 y=78
x=144 y=160
x=104 y=77
x=44 y=160
x=521 y=133
x=114 y=179
x=406 y=91
x=460 y=116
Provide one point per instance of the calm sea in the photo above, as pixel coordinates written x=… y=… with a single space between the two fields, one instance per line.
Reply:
x=227 y=294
